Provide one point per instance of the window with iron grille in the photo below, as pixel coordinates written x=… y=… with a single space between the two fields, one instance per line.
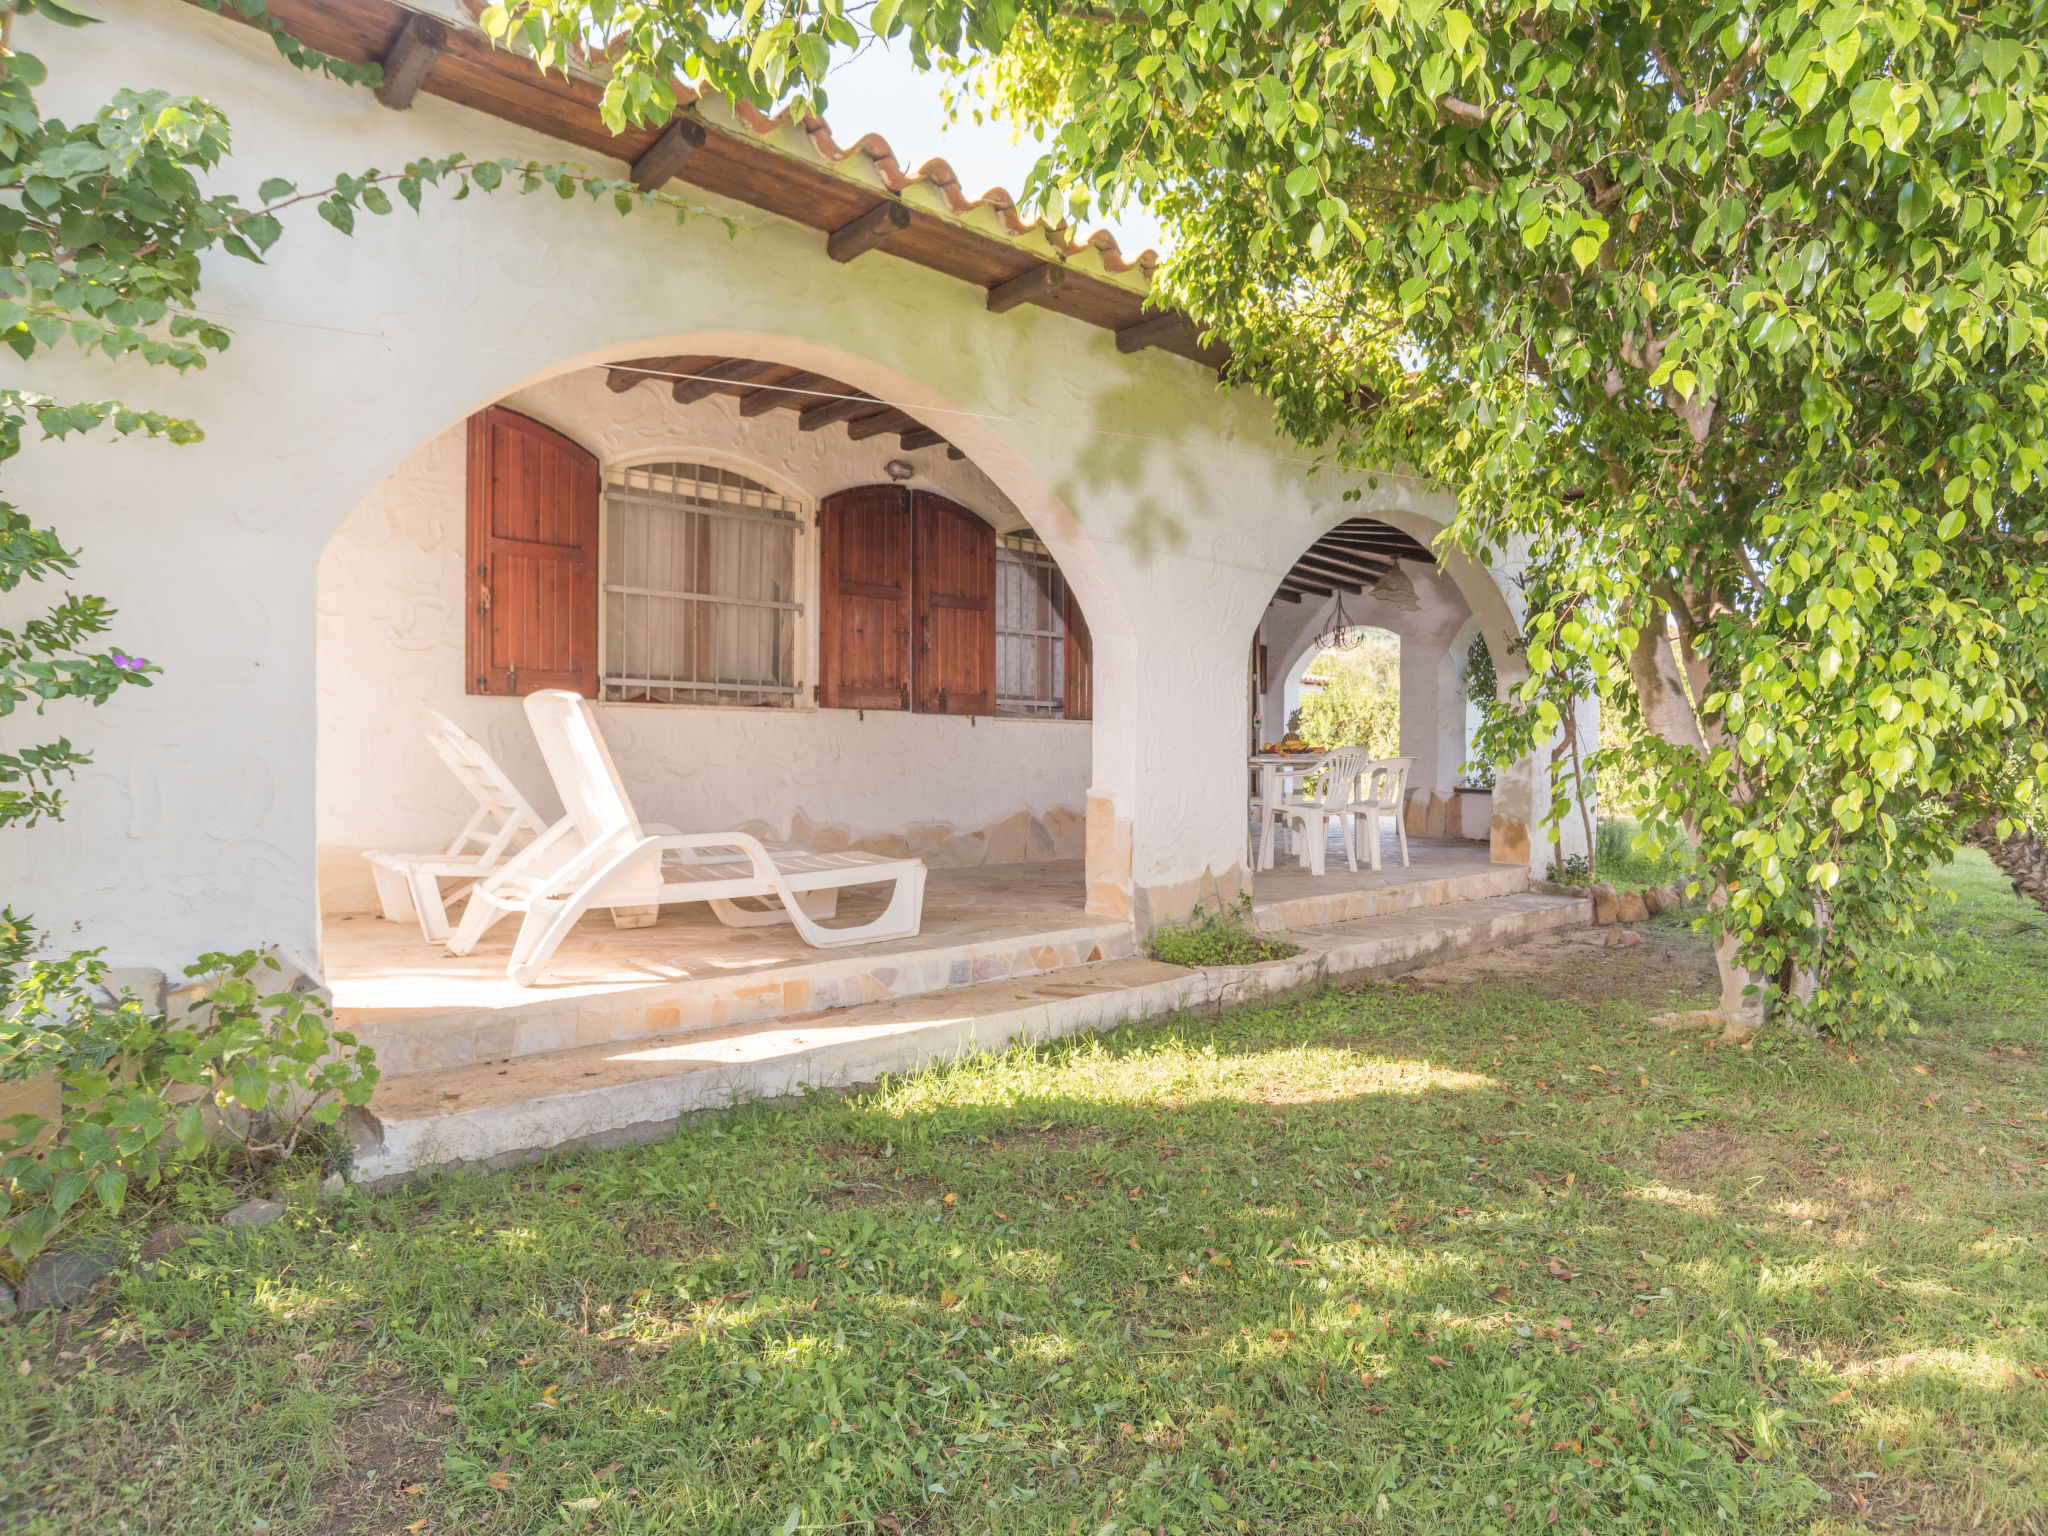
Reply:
x=1031 y=629
x=700 y=588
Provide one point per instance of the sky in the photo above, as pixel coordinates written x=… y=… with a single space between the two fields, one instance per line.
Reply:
x=880 y=91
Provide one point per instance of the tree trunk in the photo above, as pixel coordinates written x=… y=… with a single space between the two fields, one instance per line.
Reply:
x=1662 y=694
x=2021 y=858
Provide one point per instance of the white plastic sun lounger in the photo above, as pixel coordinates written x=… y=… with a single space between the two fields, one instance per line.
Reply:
x=599 y=854
x=409 y=884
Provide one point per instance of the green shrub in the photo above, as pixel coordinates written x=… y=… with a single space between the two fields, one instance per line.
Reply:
x=1482 y=688
x=254 y=1069
x=1572 y=869
x=1359 y=703
x=1215 y=938
x=1661 y=859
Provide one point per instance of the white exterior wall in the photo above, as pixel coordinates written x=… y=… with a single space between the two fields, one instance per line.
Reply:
x=1174 y=509
x=391 y=636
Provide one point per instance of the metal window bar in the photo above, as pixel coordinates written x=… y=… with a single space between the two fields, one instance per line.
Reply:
x=700 y=600
x=1031 y=629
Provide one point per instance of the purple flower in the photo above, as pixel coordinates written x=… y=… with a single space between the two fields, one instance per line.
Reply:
x=130 y=663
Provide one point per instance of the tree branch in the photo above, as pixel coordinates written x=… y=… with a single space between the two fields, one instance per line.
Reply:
x=1451 y=106
x=1671 y=75
x=1737 y=73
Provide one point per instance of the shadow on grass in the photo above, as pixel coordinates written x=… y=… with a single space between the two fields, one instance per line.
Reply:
x=1487 y=1257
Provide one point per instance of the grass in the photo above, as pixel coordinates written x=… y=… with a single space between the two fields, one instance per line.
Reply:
x=1625 y=867
x=1467 y=1252
x=1622 y=865
x=1215 y=938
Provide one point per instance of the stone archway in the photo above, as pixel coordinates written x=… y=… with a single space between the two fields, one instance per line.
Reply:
x=1458 y=598
x=691 y=370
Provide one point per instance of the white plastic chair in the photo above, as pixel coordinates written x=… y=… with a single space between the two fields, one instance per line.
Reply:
x=409 y=884
x=1328 y=803
x=1381 y=789
x=600 y=855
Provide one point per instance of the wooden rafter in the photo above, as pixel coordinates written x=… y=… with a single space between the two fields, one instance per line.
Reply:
x=817 y=399
x=411 y=60
x=826 y=412
x=1341 y=578
x=1152 y=331
x=879 y=424
x=1352 y=557
x=718 y=376
x=1354 y=562
x=621 y=377
x=791 y=394
x=753 y=165
x=884 y=221
x=669 y=153
x=1036 y=284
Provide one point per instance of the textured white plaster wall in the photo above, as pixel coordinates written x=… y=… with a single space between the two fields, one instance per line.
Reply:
x=1173 y=508
x=391 y=642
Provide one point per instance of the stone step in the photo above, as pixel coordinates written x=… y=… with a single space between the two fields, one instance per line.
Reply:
x=533 y=1022
x=1396 y=890
x=494 y=1113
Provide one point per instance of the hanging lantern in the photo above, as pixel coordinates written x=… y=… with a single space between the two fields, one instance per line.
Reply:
x=1396 y=590
x=1341 y=633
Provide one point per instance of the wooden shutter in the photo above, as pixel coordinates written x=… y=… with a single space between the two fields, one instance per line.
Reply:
x=956 y=609
x=533 y=498
x=864 y=598
x=1080 y=703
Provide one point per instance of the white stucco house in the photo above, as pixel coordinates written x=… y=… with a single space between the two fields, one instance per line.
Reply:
x=714 y=429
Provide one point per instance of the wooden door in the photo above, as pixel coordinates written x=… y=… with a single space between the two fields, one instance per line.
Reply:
x=532 y=587
x=956 y=609
x=864 y=598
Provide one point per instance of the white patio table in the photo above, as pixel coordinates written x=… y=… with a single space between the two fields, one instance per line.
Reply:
x=1275 y=768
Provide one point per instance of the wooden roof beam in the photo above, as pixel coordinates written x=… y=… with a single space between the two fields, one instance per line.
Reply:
x=1299 y=585
x=1362 y=561
x=792 y=393
x=421 y=41
x=882 y=222
x=1152 y=331
x=668 y=154
x=620 y=377
x=718 y=376
x=1393 y=549
x=879 y=424
x=825 y=412
x=1022 y=289
x=919 y=437
x=1340 y=577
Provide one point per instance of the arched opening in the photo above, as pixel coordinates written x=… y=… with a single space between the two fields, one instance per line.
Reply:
x=1345 y=689
x=1383 y=572
x=755 y=534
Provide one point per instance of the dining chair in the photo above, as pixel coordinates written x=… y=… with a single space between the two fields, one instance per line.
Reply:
x=1333 y=774
x=1380 y=789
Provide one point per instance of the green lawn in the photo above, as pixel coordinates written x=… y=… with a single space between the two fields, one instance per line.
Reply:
x=1453 y=1254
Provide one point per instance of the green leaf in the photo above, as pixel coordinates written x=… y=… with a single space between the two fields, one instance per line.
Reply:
x=275 y=189
x=1915 y=203
x=1586 y=250
x=112 y=1189
x=62 y=14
